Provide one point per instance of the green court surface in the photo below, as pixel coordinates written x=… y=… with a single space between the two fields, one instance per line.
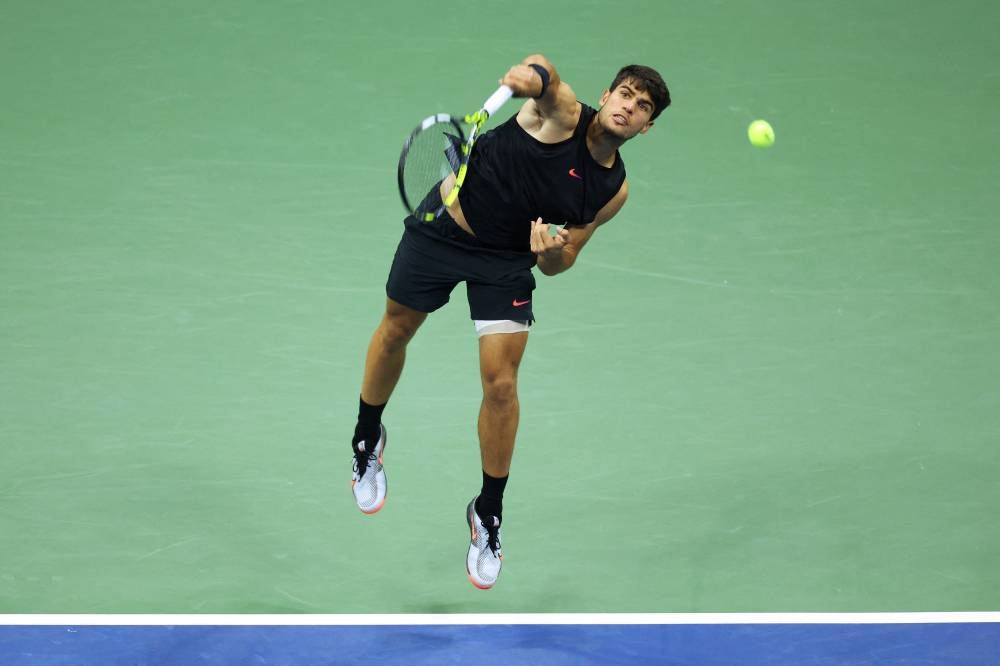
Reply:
x=770 y=384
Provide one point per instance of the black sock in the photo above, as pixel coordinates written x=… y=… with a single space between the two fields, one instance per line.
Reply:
x=369 y=418
x=490 y=500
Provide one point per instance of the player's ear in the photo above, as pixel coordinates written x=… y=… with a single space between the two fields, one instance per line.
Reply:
x=646 y=128
x=604 y=96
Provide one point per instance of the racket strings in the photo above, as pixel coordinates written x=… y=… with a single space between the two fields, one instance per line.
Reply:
x=433 y=155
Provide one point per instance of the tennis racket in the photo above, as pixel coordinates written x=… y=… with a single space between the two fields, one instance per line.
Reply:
x=437 y=151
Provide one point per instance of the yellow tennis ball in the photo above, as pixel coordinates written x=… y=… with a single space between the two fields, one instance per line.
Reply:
x=761 y=133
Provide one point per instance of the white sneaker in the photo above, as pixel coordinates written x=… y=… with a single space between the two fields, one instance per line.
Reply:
x=368 y=478
x=485 y=557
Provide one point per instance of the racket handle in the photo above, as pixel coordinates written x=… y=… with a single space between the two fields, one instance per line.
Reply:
x=497 y=99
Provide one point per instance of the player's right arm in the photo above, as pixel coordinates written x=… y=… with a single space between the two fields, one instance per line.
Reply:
x=552 y=116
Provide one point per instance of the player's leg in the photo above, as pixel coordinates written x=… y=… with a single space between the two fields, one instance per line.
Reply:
x=499 y=358
x=387 y=354
x=501 y=307
x=383 y=367
x=502 y=312
x=419 y=282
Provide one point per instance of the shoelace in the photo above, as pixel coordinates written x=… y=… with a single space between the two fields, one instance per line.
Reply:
x=361 y=460
x=492 y=536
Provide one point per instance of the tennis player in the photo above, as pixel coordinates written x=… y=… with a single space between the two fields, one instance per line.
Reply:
x=538 y=187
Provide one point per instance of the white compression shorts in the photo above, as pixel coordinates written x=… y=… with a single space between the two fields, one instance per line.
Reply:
x=490 y=326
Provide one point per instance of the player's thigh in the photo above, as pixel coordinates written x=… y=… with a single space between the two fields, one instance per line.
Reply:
x=500 y=356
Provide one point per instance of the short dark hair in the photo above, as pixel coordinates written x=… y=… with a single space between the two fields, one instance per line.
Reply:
x=646 y=80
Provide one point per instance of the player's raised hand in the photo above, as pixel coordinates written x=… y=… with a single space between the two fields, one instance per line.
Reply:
x=523 y=80
x=547 y=238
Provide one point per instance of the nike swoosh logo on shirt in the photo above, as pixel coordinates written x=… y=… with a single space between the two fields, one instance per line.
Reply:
x=518 y=303
x=573 y=173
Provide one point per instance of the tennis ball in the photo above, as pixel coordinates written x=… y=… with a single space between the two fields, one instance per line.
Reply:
x=761 y=133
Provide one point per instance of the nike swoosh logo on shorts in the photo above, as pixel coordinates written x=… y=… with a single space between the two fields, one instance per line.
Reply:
x=573 y=173
x=518 y=303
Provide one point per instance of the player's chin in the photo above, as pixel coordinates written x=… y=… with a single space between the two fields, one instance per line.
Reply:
x=623 y=132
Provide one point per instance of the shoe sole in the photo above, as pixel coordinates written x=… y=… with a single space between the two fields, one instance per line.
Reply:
x=385 y=440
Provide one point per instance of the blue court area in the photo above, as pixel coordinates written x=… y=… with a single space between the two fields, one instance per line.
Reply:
x=746 y=644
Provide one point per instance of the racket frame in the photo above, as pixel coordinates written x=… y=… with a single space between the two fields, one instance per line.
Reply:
x=425 y=124
x=476 y=121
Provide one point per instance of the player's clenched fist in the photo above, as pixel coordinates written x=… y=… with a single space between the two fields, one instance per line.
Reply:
x=523 y=80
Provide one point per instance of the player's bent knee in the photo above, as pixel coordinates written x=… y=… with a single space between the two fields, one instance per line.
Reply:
x=393 y=336
x=400 y=324
x=397 y=334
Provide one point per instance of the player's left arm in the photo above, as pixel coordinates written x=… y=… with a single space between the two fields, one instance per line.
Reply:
x=557 y=253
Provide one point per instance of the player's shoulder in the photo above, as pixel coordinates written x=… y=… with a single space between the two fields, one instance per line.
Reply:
x=548 y=128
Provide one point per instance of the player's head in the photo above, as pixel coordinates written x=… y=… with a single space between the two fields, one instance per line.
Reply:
x=647 y=80
x=637 y=95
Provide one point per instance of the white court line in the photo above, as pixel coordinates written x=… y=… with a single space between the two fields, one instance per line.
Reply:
x=663 y=276
x=502 y=619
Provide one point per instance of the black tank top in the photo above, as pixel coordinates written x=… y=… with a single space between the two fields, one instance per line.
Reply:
x=514 y=178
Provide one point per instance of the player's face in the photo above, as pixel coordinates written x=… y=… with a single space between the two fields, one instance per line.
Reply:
x=626 y=111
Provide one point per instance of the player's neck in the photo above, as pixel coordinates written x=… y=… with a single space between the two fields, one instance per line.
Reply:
x=602 y=144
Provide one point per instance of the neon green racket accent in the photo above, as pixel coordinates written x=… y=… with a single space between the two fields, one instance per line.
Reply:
x=459 y=179
x=477 y=120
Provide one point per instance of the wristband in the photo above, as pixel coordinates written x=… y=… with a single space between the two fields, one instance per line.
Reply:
x=544 y=74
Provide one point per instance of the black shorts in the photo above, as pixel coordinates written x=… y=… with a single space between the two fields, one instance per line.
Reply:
x=433 y=257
